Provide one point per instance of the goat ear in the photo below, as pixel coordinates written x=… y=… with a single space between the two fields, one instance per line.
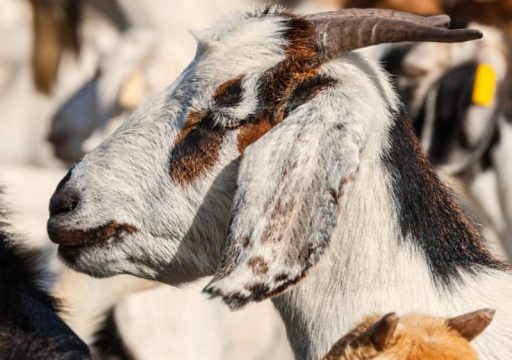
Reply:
x=381 y=333
x=470 y=325
x=292 y=184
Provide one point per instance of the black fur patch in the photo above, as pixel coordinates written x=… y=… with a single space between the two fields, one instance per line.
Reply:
x=24 y=307
x=427 y=213
x=506 y=91
x=394 y=58
x=18 y=345
x=306 y=90
x=452 y=103
x=392 y=62
x=108 y=343
x=486 y=160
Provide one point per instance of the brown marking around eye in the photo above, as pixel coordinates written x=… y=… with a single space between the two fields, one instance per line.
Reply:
x=281 y=89
x=229 y=94
x=193 y=119
x=288 y=84
x=198 y=143
x=196 y=150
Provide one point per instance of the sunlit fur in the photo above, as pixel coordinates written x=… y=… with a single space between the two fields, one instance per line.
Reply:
x=366 y=265
x=417 y=337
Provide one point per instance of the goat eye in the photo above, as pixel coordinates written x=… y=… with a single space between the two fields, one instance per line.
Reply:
x=232 y=124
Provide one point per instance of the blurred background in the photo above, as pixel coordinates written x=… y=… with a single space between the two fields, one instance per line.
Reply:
x=71 y=71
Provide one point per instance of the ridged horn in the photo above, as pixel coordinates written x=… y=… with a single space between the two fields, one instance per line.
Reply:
x=350 y=29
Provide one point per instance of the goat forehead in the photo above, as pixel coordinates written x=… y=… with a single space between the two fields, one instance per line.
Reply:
x=248 y=28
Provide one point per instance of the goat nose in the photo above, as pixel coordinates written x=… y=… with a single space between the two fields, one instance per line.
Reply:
x=63 y=200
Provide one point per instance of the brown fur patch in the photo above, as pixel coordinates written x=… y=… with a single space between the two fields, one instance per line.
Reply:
x=246 y=242
x=418 y=337
x=288 y=84
x=251 y=132
x=193 y=119
x=66 y=237
x=229 y=93
x=258 y=265
x=196 y=152
x=281 y=89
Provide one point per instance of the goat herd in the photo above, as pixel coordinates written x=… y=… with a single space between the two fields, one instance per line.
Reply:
x=284 y=164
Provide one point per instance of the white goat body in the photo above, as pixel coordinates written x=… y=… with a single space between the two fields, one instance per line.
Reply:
x=302 y=144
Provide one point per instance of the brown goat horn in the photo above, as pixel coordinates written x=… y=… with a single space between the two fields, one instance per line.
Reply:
x=347 y=30
x=437 y=21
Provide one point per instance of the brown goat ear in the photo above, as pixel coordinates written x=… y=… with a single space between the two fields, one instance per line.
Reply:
x=293 y=184
x=472 y=324
x=382 y=332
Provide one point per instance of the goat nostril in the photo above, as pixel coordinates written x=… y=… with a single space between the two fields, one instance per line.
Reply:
x=63 y=203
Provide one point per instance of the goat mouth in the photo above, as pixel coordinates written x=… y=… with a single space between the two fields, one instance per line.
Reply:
x=72 y=240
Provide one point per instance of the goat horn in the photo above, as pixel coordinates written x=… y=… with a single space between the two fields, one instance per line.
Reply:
x=437 y=21
x=348 y=30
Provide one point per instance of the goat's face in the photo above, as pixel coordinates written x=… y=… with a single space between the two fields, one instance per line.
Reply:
x=158 y=193
x=232 y=138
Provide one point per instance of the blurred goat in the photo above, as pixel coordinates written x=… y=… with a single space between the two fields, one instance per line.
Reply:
x=459 y=99
x=57 y=29
x=412 y=337
x=30 y=327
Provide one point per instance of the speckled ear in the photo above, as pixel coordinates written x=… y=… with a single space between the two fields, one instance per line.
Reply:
x=292 y=184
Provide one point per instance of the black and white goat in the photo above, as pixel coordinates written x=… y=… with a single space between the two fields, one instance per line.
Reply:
x=283 y=156
x=29 y=325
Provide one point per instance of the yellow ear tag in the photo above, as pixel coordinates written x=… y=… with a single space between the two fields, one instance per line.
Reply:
x=484 y=89
x=132 y=91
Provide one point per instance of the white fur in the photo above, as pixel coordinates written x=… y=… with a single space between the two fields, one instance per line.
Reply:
x=367 y=268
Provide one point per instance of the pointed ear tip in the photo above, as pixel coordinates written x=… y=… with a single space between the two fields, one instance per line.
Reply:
x=488 y=313
x=391 y=318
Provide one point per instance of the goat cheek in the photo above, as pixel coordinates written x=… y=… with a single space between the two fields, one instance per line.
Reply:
x=197 y=153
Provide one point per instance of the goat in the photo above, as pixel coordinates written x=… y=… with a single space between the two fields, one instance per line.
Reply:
x=412 y=337
x=284 y=157
x=56 y=28
x=29 y=325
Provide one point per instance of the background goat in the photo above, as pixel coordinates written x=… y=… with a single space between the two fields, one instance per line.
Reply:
x=464 y=137
x=280 y=126
x=412 y=337
x=29 y=325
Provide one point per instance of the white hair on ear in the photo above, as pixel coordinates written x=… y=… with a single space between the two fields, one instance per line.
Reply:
x=292 y=185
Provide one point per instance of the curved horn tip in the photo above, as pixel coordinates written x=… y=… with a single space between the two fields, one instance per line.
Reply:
x=473 y=34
